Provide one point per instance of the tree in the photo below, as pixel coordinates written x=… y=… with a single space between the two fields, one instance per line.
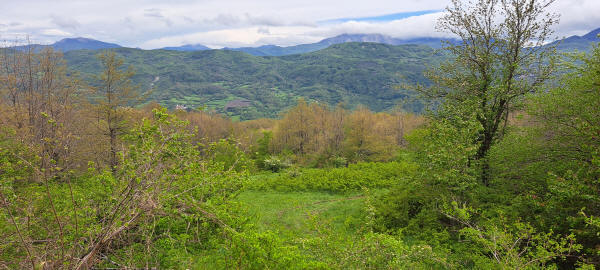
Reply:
x=41 y=101
x=114 y=93
x=365 y=138
x=568 y=126
x=501 y=58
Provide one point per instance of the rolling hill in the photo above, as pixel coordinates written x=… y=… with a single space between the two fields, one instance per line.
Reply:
x=249 y=84
x=352 y=73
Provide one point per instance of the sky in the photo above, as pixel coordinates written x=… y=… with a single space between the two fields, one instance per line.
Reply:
x=150 y=24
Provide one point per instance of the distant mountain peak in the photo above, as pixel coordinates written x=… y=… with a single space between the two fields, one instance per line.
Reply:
x=593 y=35
x=76 y=39
x=187 y=48
x=81 y=43
x=272 y=50
x=580 y=43
x=343 y=38
x=71 y=44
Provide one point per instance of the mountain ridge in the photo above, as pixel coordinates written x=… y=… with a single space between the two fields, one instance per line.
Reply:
x=72 y=44
x=273 y=50
x=582 y=43
x=187 y=48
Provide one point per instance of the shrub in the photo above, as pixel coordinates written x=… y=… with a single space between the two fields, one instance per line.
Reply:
x=275 y=164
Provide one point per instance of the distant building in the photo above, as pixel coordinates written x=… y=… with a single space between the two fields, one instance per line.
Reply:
x=238 y=103
x=181 y=107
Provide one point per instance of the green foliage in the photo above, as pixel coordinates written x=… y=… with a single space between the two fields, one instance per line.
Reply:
x=370 y=251
x=275 y=164
x=266 y=250
x=261 y=151
x=408 y=206
x=338 y=162
x=332 y=231
x=511 y=245
x=549 y=167
x=347 y=179
x=171 y=203
x=139 y=216
x=444 y=152
x=12 y=169
x=229 y=155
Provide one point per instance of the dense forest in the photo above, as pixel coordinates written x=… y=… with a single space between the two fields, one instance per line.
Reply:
x=501 y=170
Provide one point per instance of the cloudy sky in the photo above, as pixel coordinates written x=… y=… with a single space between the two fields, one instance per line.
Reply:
x=234 y=23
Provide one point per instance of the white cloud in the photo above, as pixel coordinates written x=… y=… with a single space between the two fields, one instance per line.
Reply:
x=65 y=22
x=55 y=33
x=418 y=26
x=578 y=17
x=219 y=23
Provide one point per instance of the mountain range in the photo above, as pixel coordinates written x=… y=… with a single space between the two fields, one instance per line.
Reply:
x=248 y=83
x=582 y=43
x=272 y=50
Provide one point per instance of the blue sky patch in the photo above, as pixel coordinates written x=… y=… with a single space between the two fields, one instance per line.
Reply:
x=383 y=18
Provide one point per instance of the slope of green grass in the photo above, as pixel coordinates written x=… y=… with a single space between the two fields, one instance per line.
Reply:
x=295 y=201
x=292 y=212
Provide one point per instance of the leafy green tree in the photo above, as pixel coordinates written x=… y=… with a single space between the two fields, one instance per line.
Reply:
x=570 y=113
x=498 y=61
x=363 y=140
x=261 y=149
x=568 y=124
x=114 y=93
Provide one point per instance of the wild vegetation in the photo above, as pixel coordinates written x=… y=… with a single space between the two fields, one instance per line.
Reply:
x=502 y=173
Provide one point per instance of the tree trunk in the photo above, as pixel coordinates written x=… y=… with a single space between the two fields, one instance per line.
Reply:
x=113 y=151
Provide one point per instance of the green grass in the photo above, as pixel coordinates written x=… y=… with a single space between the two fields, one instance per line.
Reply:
x=291 y=202
x=291 y=213
x=313 y=217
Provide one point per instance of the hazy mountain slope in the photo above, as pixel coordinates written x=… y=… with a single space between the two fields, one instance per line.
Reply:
x=187 y=48
x=580 y=43
x=272 y=50
x=71 y=44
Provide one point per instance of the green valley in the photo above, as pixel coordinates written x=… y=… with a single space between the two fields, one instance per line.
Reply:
x=370 y=74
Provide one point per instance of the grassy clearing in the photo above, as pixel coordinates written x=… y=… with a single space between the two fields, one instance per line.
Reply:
x=291 y=213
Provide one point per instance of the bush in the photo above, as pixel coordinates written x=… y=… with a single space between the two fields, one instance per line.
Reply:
x=275 y=164
x=228 y=154
x=339 y=162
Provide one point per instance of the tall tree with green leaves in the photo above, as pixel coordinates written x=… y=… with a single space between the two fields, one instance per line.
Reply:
x=114 y=93
x=500 y=59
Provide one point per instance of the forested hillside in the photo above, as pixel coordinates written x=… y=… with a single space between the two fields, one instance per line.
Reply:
x=250 y=87
x=374 y=75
